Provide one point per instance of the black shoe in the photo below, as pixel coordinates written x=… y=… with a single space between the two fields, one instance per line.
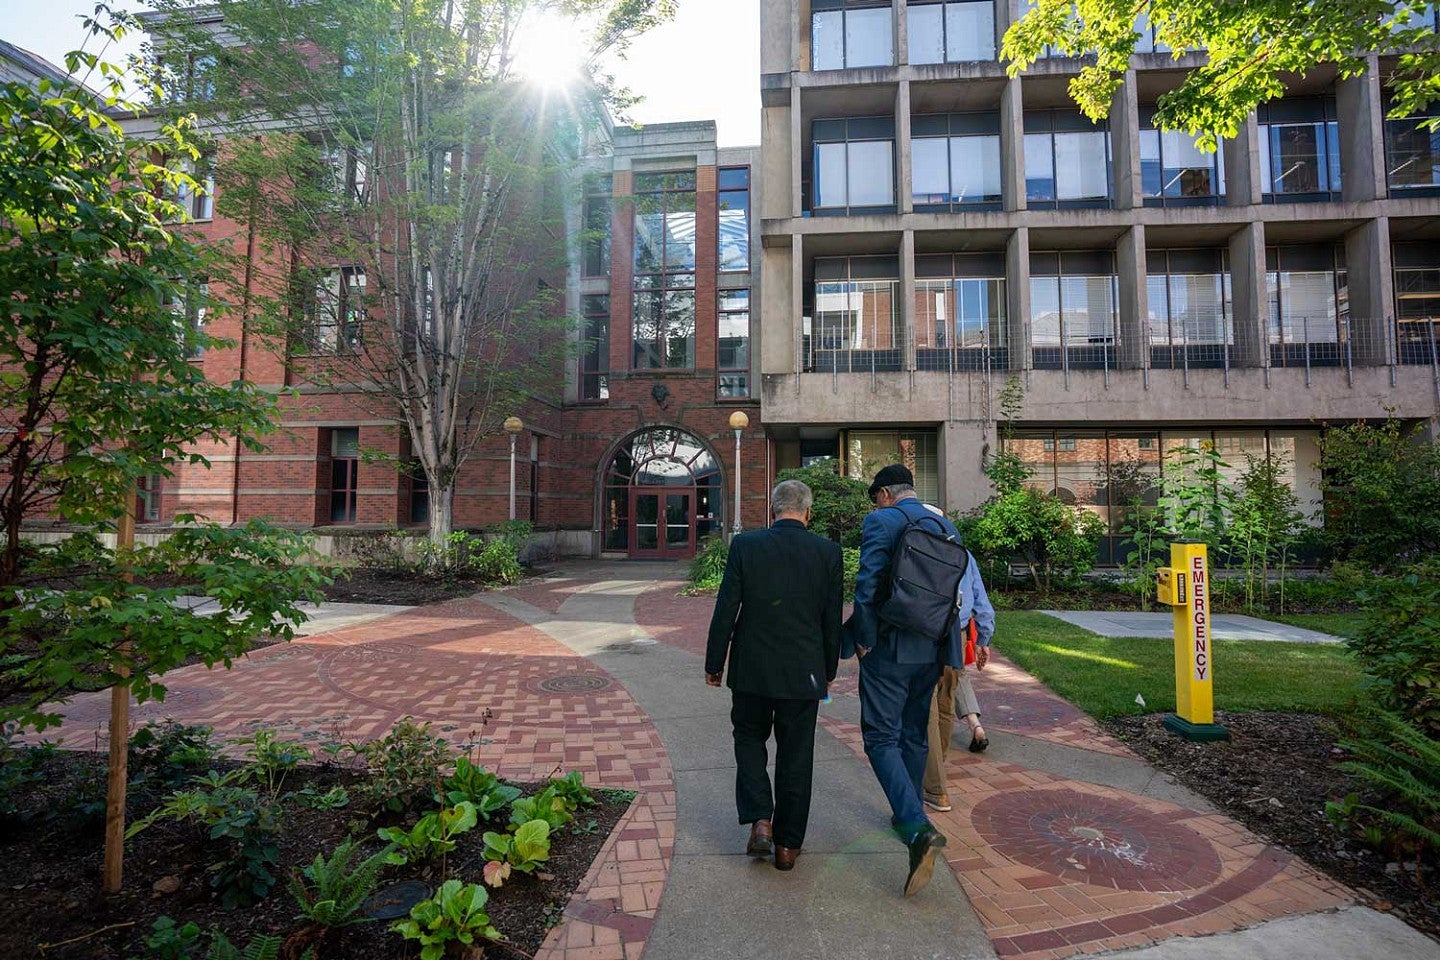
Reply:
x=923 y=851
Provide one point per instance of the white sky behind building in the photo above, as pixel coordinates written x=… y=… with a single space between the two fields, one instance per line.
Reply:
x=703 y=65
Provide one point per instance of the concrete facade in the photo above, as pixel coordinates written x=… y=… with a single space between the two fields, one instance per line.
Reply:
x=1275 y=366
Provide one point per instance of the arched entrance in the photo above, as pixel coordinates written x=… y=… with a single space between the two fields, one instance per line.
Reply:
x=661 y=495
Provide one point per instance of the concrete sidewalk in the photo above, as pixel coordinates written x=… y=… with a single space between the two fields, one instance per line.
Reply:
x=1225 y=626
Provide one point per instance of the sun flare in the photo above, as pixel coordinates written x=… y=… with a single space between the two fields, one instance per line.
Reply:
x=551 y=50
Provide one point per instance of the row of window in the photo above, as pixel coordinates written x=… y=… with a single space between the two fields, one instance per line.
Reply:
x=853 y=321
x=665 y=222
x=847 y=34
x=956 y=160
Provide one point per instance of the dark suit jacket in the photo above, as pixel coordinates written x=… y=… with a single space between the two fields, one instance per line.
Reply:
x=778 y=613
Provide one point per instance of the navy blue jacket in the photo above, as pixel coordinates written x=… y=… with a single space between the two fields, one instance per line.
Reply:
x=879 y=534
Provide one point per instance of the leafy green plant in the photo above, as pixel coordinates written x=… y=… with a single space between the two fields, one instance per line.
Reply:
x=1400 y=765
x=546 y=805
x=525 y=850
x=478 y=786
x=1264 y=526
x=169 y=940
x=572 y=791
x=238 y=820
x=169 y=752
x=1146 y=547
x=331 y=892
x=455 y=915
x=335 y=798
x=21 y=770
x=1399 y=644
x=262 y=947
x=432 y=836
x=840 y=502
x=404 y=766
x=498 y=561
x=269 y=761
x=1380 y=488
x=707 y=568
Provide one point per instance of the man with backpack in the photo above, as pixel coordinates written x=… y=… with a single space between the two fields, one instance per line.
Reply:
x=914 y=595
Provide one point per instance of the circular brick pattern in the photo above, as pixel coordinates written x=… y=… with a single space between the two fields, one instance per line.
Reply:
x=1012 y=709
x=569 y=684
x=178 y=702
x=1096 y=840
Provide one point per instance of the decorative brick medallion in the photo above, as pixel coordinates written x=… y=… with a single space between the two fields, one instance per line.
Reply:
x=1097 y=840
x=570 y=683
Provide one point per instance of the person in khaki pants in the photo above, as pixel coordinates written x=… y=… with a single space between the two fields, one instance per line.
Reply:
x=954 y=688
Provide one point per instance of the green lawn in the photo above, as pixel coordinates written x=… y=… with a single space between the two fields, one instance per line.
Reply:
x=1102 y=676
x=1338 y=624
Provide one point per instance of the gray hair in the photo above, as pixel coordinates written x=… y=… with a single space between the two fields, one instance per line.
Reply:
x=896 y=489
x=790 y=496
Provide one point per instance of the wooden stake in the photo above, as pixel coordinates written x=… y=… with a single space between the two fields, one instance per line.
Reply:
x=119 y=729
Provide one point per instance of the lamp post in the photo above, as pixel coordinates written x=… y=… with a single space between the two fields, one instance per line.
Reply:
x=513 y=426
x=738 y=422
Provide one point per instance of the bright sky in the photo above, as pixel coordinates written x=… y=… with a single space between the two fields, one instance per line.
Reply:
x=704 y=65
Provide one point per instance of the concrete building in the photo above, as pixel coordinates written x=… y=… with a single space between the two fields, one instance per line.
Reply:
x=932 y=227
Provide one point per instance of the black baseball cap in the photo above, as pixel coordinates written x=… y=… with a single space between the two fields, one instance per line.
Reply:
x=896 y=473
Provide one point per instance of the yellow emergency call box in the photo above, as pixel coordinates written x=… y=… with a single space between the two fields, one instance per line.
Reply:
x=1185 y=587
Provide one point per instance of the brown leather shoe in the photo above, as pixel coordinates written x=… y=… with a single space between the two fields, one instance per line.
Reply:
x=785 y=857
x=761 y=844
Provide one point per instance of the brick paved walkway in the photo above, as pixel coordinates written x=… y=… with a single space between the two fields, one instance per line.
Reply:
x=1053 y=866
x=1056 y=867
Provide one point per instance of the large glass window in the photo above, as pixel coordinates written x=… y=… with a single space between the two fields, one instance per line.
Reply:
x=1174 y=172
x=733 y=354
x=1417 y=302
x=1073 y=310
x=1190 y=312
x=344 y=471
x=855 y=323
x=188 y=302
x=854 y=164
x=1412 y=153
x=960 y=312
x=660 y=457
x=595 y=244
x=851 y=33
x=866 y=451
x=1308 y=307
x=955 y=161
x=664 y=292
x=951 y=32
x=595 y=349
x=1067 y=160
x=335 y=311
x=734 y=206
x=1299 y=149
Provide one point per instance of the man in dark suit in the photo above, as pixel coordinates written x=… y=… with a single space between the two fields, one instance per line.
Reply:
x=899 y=668
x=778 y=618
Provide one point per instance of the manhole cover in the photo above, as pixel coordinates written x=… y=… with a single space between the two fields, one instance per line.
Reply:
x=573 y=683
x=396 y=900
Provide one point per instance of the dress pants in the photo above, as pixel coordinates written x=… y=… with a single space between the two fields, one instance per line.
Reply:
x=793 y=721
x=953 y=694
x=895 y=700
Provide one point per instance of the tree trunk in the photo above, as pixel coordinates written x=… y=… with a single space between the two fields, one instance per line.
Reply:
x=442 y=517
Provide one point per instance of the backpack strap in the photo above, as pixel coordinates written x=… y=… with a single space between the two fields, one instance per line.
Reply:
x=909 y=522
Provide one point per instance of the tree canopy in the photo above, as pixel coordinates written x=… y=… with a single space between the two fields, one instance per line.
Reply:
x=1251 y=47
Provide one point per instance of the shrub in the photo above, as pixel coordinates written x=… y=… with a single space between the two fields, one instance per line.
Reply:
x=1401 y=765
x=331 y=892
x=170 y=753
x=269 y=761
x=1399 y=644
x=404 y=766
x=851 y=556
x=456 y=914
x=572 y=791
x=1380 y=489
x=21 y=770
x=237 y=819
x=1052 y=539
x=841 y=503
x=708 y=567
x=479 y=787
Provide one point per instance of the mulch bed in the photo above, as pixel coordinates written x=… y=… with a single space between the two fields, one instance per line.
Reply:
x=1275 y=775
x=52 y=875
x=366 y=585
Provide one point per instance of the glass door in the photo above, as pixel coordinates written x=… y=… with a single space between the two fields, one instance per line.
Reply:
x=664 y=523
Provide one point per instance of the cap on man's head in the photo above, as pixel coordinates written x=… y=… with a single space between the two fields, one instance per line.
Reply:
x=896 y=473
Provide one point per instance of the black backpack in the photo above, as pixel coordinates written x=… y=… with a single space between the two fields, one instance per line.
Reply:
x=926 y=568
